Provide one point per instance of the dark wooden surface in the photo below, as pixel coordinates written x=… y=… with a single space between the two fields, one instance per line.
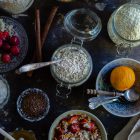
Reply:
x=102 y=51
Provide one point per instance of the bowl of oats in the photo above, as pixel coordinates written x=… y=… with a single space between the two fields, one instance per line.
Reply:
x=15 y=6
x=77 y=125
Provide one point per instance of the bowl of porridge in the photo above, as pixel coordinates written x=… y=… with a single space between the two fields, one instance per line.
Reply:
x=77 y=125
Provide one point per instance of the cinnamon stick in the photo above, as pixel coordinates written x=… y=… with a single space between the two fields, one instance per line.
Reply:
x=38 y=36
x=38 y=50
x=48 y=24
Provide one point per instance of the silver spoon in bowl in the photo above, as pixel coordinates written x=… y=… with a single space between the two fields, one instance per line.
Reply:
x=130 y=95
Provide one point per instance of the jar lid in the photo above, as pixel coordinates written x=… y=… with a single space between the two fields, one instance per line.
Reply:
x=83 y=24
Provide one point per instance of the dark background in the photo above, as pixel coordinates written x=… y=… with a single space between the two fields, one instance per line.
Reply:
x=102 y=50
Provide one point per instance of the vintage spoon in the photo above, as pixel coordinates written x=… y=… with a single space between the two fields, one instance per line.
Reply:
x=34 y=66
x=130 y=95
x=5 y=134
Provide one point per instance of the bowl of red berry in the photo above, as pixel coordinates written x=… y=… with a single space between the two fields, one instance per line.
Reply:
x=13 y=44
x=77 y=125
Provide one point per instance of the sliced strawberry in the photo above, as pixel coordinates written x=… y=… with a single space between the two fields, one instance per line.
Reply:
x=83 y=121
x=74 y=128
x=92 y=125
x=73 y=119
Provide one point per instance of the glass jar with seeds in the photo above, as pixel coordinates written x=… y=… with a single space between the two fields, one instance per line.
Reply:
x=76 y=63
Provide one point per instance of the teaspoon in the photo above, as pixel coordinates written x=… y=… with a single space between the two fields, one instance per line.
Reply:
x=34 y=66
x=130 y=95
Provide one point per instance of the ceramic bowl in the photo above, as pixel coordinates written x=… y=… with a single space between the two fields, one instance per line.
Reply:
x=56 y=122
x=121 y=109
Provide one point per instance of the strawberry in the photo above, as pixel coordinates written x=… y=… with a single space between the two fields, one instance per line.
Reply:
x=73 y=119
x=14 y=40
x=83 y=121
x=1 y=35
x=92 y=125
x=6 y=58
x=6 y=46
x=15 y=50
x=74 y=128
x=1 y=43
x=6 y=35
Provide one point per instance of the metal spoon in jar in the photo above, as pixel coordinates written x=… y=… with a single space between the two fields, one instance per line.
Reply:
x=34 y=66
x=130 y=95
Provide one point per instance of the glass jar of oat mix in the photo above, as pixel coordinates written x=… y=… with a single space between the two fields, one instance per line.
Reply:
x=76 y=65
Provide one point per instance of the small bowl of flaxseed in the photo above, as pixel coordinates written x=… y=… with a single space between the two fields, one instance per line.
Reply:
x=33 y=104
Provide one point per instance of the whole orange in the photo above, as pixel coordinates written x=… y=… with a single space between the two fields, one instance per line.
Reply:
x=122 y=78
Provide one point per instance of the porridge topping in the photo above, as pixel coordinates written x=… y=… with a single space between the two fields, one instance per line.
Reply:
x=128 y=22
x=77 y=127
x=74 y=65
x=34 y=104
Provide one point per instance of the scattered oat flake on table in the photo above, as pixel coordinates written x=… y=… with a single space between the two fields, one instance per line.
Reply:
x=100 y=6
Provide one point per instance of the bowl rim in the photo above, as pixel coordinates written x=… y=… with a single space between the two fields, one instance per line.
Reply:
x=59 y=118
x=97 y=87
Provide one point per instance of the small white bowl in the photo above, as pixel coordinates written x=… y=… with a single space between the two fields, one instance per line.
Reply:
x=97 y=121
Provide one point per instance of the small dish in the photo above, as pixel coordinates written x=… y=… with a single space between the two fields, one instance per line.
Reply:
x=18 y=30
x=121 y=109
x=76 y=112
x=33 y=105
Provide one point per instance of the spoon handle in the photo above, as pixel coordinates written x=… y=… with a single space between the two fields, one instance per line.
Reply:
x=95 y=102
x=34 y=66
x=101 y=92
x=5 y=134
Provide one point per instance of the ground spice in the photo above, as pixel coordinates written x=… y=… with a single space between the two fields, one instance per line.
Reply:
x=34 y=104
